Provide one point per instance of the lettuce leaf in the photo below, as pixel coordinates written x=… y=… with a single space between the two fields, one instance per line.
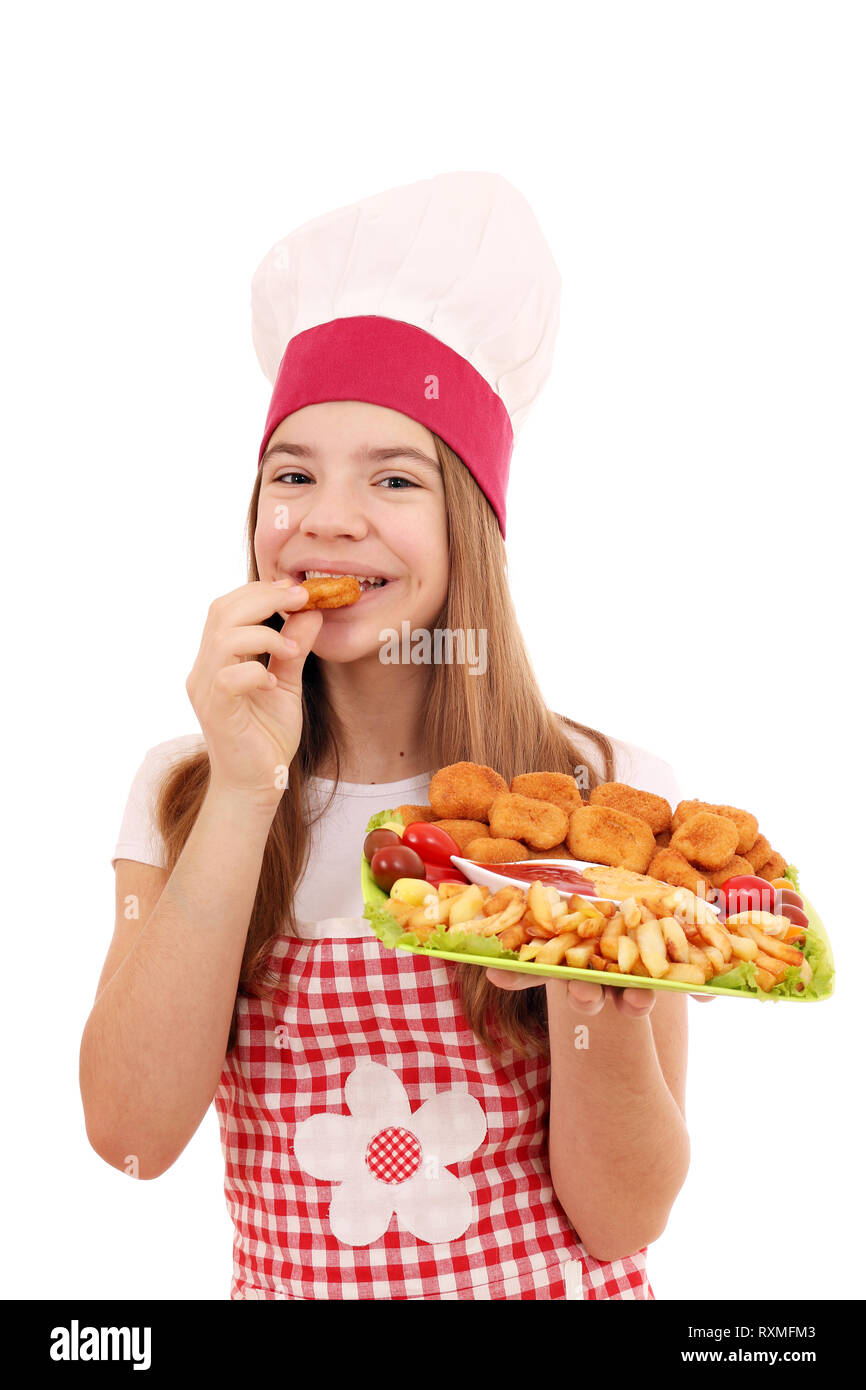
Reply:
x=392 y=933
x=791 y=873
x=382 y=817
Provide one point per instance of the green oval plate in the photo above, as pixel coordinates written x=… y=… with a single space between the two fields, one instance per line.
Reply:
x=817 y=950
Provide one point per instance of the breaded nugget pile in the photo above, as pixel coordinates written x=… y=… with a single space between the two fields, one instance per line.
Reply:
x=542 y=815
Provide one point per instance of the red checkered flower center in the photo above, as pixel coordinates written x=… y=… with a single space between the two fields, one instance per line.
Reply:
x=393 y=1154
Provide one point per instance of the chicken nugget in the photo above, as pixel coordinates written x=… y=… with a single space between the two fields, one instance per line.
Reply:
x=539 y=824
x=464 y=791
x=463 y=831
x=645 y=805
x=326 y=592
x=487 y=850
x=411 y=814
x=746 y=823
x=706 y=840
x=774 y=867
x=759 y=853
x=672 y=867
x=734 y=867
x=555 y=787
x=558 y=852
x=605 y=835
x=685 y=809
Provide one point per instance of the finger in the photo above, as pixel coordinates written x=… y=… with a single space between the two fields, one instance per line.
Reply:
x=238 y=643
x=703 y=998
x=255 y=602
x=634 y=1003
x=510 y=979
x=286 y=664
x=584 y=997
x=233 y=682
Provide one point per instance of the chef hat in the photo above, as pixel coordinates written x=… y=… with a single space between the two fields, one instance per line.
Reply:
x=439 y=299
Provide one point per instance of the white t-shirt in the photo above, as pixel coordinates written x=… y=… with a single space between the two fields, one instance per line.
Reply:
x=328 y=900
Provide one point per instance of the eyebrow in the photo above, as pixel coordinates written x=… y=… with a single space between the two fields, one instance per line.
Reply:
x=396 y=451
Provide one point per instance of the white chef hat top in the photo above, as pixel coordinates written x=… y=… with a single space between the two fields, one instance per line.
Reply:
x=439 y=299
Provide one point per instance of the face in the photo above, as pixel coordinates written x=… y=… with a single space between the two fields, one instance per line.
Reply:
x=343 y=491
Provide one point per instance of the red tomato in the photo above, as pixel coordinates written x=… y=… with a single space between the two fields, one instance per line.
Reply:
x=393 y=862
x=748 y=893
x=435 y=846
x=378 y=839
x=439 y=873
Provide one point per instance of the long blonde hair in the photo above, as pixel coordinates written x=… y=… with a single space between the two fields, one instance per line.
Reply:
x=499 y=720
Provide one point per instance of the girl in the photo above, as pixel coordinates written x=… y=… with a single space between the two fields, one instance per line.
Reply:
x=394 y=1126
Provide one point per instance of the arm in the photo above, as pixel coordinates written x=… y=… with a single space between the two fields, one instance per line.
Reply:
x=154 y=1044
x=619 y=1148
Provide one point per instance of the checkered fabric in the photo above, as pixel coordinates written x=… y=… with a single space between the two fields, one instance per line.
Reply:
x=343 y=1002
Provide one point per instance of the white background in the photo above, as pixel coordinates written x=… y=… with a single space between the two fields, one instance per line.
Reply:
x=685 y=502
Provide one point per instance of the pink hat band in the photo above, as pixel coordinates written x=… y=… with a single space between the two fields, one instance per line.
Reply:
x=391 y=363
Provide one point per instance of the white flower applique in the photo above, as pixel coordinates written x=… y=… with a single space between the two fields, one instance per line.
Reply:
x=388 y=1160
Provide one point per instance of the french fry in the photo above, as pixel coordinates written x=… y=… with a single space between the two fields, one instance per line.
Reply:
x=527 y=952
x=773 y=966
x=597 y=962
x=553 y=952
x=466 y=906
x=714 y=955
x=499 y=921
x=579 y=955
x=497 y=902
x=772 y=946
x=716 y=936
x=631 y=912
x=608 y=946
x=539 y=905
x=675 y=941
x=592 y=927
x=627 y=954
x=513 y=937
x=653 y=953
x=426 y=916
x=687 y=974
x=743 y=947
x=400 y=911
x=578 y=904
x=765 y=921
x=765 y=979
x=701 y=960
x=453 y=890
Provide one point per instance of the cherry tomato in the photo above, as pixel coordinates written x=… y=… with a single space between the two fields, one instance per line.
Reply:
x=793 y=913
x=378 y=839
x=441 y=873
x=435 y=846
x=748 y=893
x=393 y=862
x=787 y=895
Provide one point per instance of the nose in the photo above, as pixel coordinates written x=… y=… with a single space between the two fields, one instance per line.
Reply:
x=333 y=511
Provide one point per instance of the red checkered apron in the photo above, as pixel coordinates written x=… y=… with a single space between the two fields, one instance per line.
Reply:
x=375 y=1149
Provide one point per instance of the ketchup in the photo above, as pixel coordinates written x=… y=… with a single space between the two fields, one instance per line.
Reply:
x=564 y=879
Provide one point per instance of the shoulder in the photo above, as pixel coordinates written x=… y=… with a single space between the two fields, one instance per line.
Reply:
x=645 y=770
x=158 y=759
x=636 y=766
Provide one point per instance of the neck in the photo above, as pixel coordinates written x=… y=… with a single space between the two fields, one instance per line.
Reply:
x=380 y=712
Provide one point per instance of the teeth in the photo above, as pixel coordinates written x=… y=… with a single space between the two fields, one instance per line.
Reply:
x=372 y=581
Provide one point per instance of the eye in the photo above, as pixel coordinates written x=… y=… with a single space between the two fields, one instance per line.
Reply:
x=397 y=478
x=278 y=477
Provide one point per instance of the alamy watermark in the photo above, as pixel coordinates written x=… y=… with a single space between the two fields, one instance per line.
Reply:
x=444 y=646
